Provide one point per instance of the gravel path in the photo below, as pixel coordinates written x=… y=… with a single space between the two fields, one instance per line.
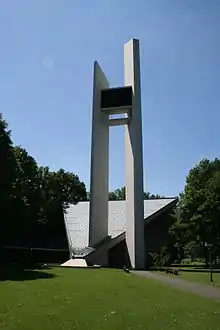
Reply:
x=207 y=291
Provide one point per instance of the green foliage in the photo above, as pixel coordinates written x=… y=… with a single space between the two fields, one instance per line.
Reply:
x=7 y=163
x=193 y=251
x=7 y=174
x=120 y=194
x=198 y=213
x=160 y=258
x=32 y=198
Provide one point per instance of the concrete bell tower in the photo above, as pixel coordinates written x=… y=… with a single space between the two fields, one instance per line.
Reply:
x=107 y=101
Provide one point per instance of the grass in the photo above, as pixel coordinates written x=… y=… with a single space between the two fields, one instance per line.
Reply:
x=199 y=275
x=98 y=299
x=202 y=276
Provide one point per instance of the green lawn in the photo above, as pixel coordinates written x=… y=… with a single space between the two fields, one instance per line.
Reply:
x=196 y=275
x=99 y=299
x=202 y=277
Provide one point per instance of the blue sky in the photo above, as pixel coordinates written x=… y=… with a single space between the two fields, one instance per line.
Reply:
x=46 y=71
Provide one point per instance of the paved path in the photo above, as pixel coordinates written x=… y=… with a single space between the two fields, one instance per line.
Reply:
x=207 y=291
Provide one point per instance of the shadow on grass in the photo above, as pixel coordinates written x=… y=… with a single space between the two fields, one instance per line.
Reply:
x=16 y=273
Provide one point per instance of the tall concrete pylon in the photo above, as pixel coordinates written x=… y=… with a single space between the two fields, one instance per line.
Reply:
x=134 y=160
x=113 y=101
x=99 y=171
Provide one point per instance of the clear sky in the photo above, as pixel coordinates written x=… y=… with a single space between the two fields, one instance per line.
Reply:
x=46 y=72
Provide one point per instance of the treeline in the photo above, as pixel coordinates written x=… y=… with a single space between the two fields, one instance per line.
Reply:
x=32 y=197
x=195 y=233
x=120 y=194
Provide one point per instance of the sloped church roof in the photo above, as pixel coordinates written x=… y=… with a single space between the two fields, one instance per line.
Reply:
x=77 y=219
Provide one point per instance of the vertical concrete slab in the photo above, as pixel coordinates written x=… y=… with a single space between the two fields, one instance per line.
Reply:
x=99 y=176
x=134 y=160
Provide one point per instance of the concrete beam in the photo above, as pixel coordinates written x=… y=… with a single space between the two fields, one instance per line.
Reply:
x=98 y=221
x=134 y=160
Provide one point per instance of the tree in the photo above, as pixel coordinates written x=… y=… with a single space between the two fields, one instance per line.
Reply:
x=152 y=196
x=59 y=189
x=32 y=198
x=25 y=203
x=199 y=207
x=212 y=209
x=7 y=175
x=120 y=194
